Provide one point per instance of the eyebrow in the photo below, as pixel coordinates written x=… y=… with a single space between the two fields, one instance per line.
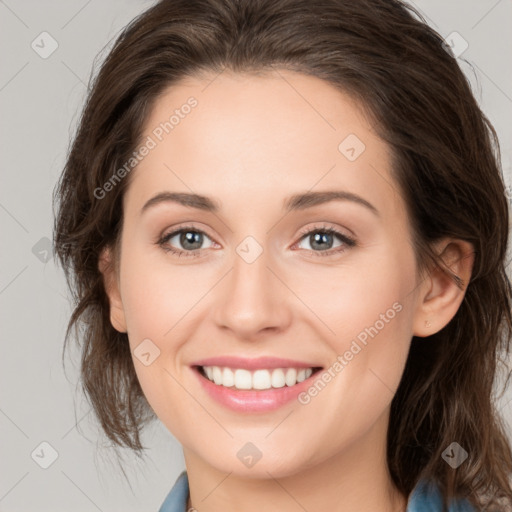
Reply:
x=293 y=203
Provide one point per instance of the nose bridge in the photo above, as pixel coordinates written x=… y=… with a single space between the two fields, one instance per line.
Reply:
x=252 y=296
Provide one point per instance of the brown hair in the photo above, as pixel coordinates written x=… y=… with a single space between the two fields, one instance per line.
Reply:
x=446 y=163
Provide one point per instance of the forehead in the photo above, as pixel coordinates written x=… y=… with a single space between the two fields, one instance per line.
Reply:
x=265 y=135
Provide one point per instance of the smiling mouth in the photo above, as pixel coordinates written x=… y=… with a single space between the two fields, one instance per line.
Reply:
x=261 y=379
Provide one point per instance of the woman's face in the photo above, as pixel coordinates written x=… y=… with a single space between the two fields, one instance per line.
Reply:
x=252 y=279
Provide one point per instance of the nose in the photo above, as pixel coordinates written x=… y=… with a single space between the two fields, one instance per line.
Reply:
x=253 y=298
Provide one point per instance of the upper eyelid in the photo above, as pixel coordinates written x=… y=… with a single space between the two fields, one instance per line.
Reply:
x=174 y=232
x=327 y=227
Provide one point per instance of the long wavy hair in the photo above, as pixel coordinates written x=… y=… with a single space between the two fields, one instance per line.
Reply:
x=445 y=161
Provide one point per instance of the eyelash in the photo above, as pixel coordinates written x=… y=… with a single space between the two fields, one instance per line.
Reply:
x=347 y=241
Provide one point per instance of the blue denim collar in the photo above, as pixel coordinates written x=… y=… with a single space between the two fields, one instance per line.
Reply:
x=425 y=497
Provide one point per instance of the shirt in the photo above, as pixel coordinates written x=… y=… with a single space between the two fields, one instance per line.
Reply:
x=424 y=498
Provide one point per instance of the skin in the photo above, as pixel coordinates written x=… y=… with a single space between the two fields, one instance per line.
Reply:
x=251 y=142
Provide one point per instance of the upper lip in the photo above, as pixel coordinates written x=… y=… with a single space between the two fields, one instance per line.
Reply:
x=254 y=363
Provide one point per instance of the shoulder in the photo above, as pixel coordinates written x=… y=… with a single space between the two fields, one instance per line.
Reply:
x=176 y=500
x=426 y=497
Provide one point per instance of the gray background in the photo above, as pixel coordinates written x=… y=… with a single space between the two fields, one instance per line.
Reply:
x=40 y=100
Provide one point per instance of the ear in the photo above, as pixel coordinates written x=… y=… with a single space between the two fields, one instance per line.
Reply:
x=107 y=267
x=440 y=296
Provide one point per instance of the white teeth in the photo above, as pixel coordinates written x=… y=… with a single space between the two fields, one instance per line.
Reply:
x=261 y=379
x=277 y=379
x=291 y=376
x=217 y=375
x=258 y=379
x=228 y=377
x=242 y=379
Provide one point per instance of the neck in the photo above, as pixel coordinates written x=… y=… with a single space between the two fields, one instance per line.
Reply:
x=355 y=479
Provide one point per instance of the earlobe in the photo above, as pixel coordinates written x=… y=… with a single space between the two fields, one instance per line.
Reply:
x=441 y=296
x=107 y=267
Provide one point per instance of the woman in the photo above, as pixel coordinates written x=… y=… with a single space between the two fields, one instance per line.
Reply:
x=330 y=338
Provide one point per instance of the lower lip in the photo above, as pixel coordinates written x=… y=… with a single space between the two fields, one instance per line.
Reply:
x=264 y=400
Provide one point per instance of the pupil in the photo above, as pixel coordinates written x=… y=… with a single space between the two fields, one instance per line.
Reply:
x=191 y=237
x=321 y=239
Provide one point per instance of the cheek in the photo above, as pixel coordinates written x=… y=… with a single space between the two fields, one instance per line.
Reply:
x=368 y=311
x=368 y=290
x=157 y=295
x=156 y=299
x=162 y=303
x=370 y=315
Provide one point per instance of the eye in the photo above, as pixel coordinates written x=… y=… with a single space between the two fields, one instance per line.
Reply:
x=321 y=241
x=189 y=238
